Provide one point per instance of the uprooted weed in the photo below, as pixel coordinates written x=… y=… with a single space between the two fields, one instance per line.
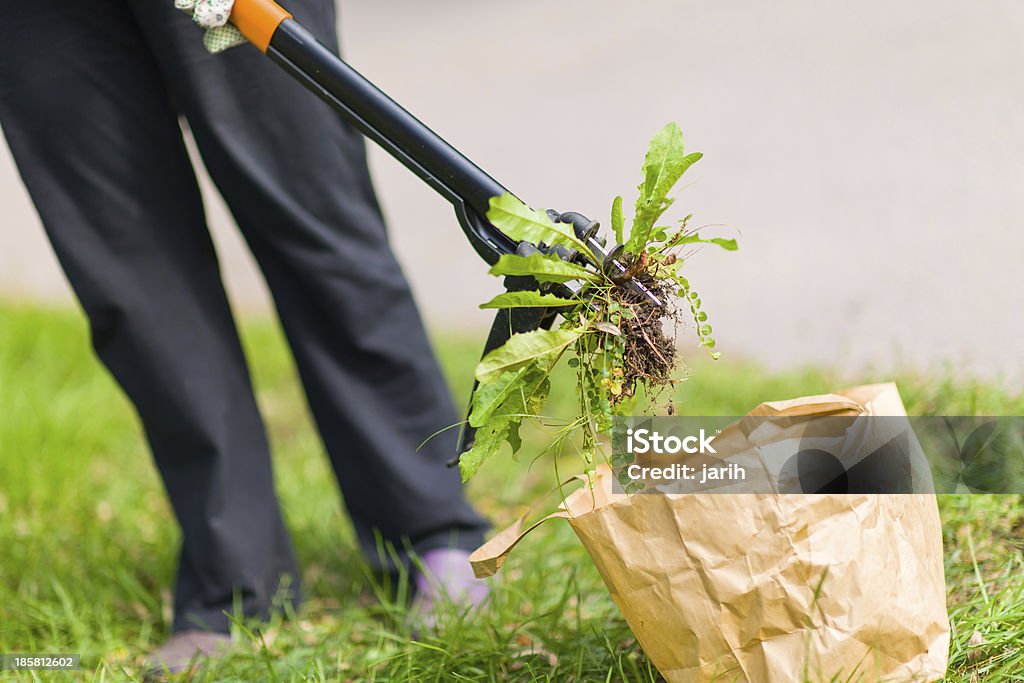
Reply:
x=613 y=332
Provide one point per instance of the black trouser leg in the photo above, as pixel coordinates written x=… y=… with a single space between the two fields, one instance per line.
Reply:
x=295 y=177
x=96 y=139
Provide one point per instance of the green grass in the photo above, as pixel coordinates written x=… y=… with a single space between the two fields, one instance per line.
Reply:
x=87 y=542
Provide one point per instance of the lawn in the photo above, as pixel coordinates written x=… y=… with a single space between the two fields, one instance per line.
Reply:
x=88 y=541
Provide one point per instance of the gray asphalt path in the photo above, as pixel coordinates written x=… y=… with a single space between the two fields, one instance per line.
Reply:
x=870 y=154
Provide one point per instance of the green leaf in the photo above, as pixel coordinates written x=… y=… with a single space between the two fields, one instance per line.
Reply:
x=664 y=165
x=487 y=442
x=543 y=267
x=618 y=222
x=666 y=148
x=524 y=224
x=514 y=379
x=489 y=396
x=512 y=435
x=530 y=397
x=522 y=348
x=536 y=398
x=528 y=299
x=498 y=410
x=728 y=245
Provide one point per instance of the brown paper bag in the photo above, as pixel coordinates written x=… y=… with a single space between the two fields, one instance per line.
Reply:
x=769 y=588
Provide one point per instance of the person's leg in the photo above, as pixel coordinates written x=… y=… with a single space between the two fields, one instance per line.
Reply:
x=295 y=177
x=97 y=143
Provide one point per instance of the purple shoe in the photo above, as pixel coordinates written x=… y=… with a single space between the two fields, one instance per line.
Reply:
x=446 y=577
x=185 y=651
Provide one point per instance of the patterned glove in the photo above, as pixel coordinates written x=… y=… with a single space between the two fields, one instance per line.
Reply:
x=213 y=16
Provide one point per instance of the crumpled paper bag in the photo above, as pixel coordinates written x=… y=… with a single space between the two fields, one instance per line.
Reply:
x=769 y=588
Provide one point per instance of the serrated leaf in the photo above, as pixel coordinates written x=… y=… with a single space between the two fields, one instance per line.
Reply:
x=506 y=393
x=498 y=410
x=536 y=398
x=618 y=222
x=522 y=348
x=665 y=149
x=489 y=396
x=543 y=267
x=649 y=213
x=524 y=224
x=528 y=400
x=664 y=165
x=528 y=299
x=486 y=444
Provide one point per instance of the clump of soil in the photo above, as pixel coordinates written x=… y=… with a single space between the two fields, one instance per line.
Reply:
x=650 y=354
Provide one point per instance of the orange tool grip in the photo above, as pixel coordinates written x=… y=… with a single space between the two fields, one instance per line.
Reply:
x=258 y=20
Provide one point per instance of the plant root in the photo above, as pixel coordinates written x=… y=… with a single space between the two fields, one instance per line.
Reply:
x=649 y=356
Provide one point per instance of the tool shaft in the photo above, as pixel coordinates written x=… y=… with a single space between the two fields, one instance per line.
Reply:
x=382 y=119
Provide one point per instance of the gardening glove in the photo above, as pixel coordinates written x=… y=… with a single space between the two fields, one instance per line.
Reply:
x=213 y=16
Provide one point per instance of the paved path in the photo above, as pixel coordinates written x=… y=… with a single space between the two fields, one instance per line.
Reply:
x=871 y=154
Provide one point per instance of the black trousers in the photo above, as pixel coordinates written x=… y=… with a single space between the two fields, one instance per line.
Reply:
x=90 y=95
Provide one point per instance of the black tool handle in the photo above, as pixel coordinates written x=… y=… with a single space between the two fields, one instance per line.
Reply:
x=400 y=133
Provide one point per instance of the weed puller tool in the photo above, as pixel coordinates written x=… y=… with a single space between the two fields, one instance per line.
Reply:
x=272 y=29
